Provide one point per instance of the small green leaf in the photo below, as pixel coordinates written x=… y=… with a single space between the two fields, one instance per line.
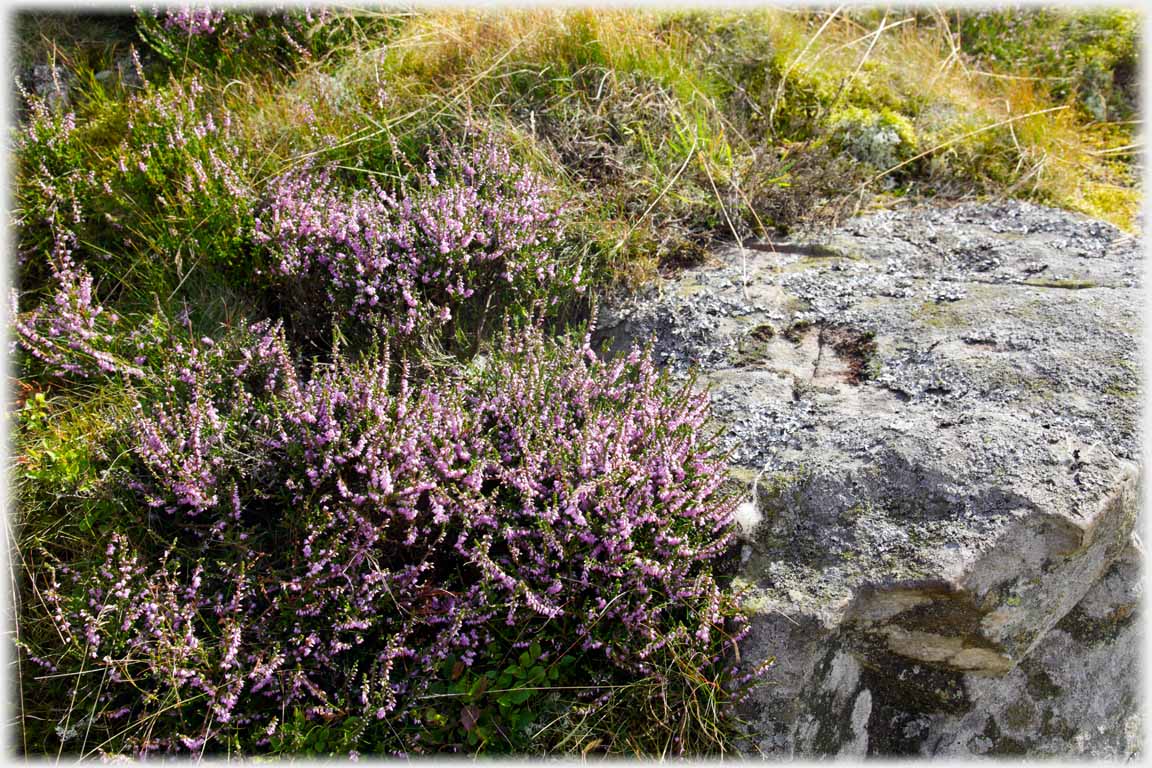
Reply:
x=478 y=688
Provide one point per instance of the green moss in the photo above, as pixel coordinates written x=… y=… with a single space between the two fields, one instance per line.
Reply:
x=860 y=117
x=1040 y=685
x=937 y=315
x=1096 y=631
x=1019 y=715
x=752 y=347
x=744 y=475
x=1115 y=204
x=796 y=330
x=1120 y=390
x=774 y=484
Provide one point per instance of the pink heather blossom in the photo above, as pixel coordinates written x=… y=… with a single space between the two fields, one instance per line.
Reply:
x=489 y=226
x=335 y=540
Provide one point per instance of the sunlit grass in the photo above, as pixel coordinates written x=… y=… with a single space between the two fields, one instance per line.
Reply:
x=663 y=132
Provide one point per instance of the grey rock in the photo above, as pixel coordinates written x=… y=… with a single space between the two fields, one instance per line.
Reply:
x=55 y=85
x=52 y=84
x=1077 y=691
x=938 y=425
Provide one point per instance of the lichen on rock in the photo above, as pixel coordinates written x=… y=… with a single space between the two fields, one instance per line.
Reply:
x=946 y=478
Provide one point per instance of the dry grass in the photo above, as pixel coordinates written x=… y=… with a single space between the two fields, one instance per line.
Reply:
x=668 y=129
x=663 y=130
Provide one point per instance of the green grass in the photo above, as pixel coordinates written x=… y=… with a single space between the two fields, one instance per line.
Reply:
x=664 y=131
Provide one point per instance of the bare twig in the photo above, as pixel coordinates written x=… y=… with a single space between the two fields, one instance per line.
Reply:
x=1126 y=149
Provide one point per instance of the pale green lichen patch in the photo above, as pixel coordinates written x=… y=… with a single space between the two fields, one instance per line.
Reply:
x=882 y=138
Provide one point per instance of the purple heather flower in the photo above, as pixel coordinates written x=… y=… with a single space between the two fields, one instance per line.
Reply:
x=193 y=20
x=336 y=540
x=483 y=224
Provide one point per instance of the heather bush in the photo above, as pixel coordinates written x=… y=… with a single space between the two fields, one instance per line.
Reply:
x=54 y=181
x=233 y=42
x=416 y=567
x=70 y=333
x=473 y=231
x=64 y=330
x=179 y=188
x=154 y=187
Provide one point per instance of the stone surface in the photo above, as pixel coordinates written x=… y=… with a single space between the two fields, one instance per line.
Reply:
x=54 y=84
x=937 y=421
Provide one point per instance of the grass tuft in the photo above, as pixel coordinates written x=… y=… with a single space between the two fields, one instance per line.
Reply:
x=183 y=177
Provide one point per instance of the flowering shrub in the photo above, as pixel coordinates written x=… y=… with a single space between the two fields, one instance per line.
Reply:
x=233 y=40
x=173 y=185
x=416 y=568
x=475 y=231
x=171 y=192
x=70 y=334
x=52 y=180
x=191 y=20
x=179 y=185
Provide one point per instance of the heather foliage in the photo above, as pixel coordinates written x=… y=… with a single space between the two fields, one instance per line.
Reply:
x=233 y=41
x=447 y=565
x=160 y=186
x=179 y=187
x=474 y=230
x=54 y=179
x=70 y=334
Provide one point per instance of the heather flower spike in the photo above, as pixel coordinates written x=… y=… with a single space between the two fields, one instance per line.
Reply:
x=339 y=542
x=479 y=225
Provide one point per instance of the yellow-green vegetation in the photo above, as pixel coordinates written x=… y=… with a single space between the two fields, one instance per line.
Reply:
x=1072 y=285
x=880 y=138
x=670 y=128
x=670 y=124
x=140 y=184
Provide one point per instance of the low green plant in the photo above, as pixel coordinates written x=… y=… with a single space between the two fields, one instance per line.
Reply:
x=882 y=139
x=1088 y=57
x=235 y=43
